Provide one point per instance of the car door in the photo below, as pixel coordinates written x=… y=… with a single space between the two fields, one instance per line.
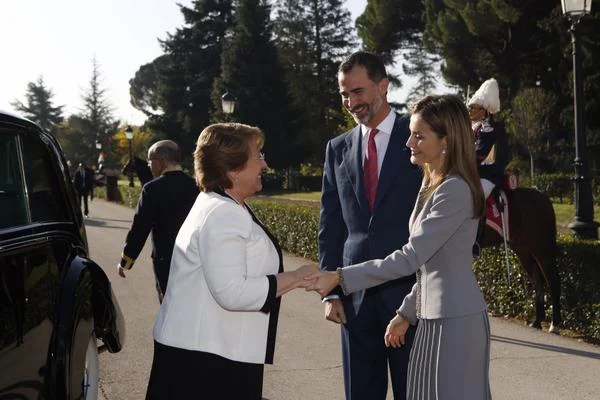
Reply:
x=37 y=242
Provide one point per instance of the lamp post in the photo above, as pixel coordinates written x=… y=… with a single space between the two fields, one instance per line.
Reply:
x=228 y=103
x=129 y=136
x=583 y=224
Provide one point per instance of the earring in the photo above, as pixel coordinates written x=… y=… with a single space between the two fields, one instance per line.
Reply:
x=444 y=151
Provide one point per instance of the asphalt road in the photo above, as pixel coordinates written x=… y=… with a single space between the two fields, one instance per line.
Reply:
x=525 y=363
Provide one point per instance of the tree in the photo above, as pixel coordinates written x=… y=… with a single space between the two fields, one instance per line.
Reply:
x=175 y=89
x=520 y=43
x=424 y=66
x=387 y=26
x=530 y=120
x=141 y=142
x=39 y=106
x=313 y=37
x=96 y=120
x=250 y=70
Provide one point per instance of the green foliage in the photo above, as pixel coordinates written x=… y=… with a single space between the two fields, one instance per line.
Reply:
x=529 y=121
x=39 y=106
x=251 y=71
x=95 y=122
x=387 y=26
x=295 y=225
x=308 y=169
x=423 y=66
x=580 y=281
x=313 y=37
x=175 y=89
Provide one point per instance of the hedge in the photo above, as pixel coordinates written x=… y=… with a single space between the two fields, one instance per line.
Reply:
x=295 y=224
x=559 y=187
x=577 y=261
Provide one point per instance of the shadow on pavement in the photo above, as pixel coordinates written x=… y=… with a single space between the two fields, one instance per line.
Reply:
x=98 y=222
x=547 y=347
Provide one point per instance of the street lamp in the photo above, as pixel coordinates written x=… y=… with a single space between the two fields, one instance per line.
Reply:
x=228 y=103
x=583 y=224
x=129 y=136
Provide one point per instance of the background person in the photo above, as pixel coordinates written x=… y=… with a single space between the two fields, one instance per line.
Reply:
x=216 y=327
x=369 y=187
x=451 y=350
x=83 y=182
x=162 y=207
x=491 y=141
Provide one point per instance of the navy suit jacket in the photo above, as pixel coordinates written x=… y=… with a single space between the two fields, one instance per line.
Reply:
x=348 y=232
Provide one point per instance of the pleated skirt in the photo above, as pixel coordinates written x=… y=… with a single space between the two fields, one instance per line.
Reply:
x=450 y=359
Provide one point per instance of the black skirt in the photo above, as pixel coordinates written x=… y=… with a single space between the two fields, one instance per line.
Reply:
x=186 y=374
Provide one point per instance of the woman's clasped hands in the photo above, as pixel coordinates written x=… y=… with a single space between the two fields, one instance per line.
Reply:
x=322 y=282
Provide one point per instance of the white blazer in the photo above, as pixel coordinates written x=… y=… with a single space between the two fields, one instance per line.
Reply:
x=218 y=283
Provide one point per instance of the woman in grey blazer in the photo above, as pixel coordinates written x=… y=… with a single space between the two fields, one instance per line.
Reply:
x=450 y=356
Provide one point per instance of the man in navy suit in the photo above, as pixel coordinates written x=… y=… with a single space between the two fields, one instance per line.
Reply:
x=83 y=182
x=162 y=207
x=369 y=190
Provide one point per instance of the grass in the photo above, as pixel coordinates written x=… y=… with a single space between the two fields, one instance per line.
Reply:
x=286 y=195
x=566 y=212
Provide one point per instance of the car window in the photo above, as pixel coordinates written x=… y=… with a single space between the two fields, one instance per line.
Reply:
x=13 y=203
x=46 y=201
x=28 y=294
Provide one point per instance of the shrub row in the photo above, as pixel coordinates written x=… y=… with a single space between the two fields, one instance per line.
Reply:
x=580 y=286
x=296 y=224
x=559 y=187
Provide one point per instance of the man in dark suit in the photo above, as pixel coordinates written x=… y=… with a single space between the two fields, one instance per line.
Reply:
x=369 y=190
x=83 y=182
x=163 y=206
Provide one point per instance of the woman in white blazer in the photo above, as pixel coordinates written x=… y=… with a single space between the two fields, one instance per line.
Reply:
x=216 y=326
x=449 y=358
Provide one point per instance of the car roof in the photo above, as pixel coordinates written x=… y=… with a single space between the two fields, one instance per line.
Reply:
x=7 y=116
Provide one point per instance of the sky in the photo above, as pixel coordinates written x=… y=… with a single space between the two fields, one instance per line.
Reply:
x=58 y=40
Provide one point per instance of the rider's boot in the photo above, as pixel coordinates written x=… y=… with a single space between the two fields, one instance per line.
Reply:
x=479 y=239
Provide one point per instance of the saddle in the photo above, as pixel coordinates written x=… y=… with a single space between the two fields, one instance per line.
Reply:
x=495 y=205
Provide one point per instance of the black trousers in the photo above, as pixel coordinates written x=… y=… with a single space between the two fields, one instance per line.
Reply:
x=83 y=195
x=186 y=374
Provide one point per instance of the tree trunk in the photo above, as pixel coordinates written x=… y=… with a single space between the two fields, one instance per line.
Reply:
x=531 y=167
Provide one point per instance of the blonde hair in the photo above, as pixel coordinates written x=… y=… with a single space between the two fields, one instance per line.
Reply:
x=221 y=148
x=448 y=117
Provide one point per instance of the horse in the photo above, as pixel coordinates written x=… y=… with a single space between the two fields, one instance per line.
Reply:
x=532 y=236
x=140 y=168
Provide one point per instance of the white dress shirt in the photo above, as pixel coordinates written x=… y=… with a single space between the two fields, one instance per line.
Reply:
x=382 y=139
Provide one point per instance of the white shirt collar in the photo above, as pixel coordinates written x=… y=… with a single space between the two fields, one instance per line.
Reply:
x=386 y=126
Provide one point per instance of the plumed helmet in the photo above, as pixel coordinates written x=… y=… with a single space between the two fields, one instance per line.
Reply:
x=487 y=96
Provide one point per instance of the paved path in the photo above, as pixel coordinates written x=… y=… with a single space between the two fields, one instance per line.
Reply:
x=525 y=363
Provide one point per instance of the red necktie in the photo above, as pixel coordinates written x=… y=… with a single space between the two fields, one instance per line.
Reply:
x=370 y=169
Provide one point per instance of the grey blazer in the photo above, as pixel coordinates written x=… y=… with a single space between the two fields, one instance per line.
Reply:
x=439 y=250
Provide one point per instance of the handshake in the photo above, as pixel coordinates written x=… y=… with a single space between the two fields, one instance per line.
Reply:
x=311 y=278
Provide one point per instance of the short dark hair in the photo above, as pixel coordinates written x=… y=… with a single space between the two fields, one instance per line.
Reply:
x=222 y=148
x=371 y=62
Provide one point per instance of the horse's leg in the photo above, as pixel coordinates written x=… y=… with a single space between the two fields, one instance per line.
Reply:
x=554 y=284
x=537 y=281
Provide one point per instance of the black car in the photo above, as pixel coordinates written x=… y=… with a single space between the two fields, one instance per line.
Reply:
x=56 y=305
